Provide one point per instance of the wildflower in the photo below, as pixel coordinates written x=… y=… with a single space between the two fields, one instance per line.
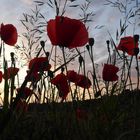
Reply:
x=83 y=81
x=10 y=72
x=127 y=45
x=33 y=77
x=79 y=80
x=39 y=64
x=8 y=34
x=72 y=76
x=61 y=83
x=67 y=32
x=109 y=72
x=26 y=92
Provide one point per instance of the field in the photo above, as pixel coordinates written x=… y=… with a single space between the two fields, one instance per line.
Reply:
x=109 y=118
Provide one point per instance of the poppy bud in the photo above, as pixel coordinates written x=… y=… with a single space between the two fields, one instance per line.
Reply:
x=81 y=60
x=91 y=41
x=62 y=69
x=47 y=54
x=87 y=46
x=136 y=51
x=42 y=43
x=107 y=42
x=136 y=38
x=12 y=57
x=12 y=54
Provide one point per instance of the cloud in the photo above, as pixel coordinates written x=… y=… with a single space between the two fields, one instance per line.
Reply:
x=27 y=2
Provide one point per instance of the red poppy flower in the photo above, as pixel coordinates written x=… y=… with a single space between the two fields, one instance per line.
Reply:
x=79 y=80
x=39 y=64
x=27 y=92
x=72 y=76
x=109 y=72
x=67 y=32
x=127 y=45
x=8 y=34
x=61 y=83
x=33 y=77
x=83 y=81
x=10 y=72
x=0 y=76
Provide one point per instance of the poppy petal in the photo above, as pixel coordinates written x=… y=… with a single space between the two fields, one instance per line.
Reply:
x=83 y=81
x=67 y=32
x=79 y=80
x=109 y=72
x=127 y=45
x=9 y=34
x=10 y=72
x=72 y=76
x=39 y=64
x=61 y=83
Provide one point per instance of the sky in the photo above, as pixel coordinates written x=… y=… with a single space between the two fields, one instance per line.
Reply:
x=105 y=16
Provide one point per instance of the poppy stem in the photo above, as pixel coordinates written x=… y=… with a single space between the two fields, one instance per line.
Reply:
x=12 y=80
x=108 y=48
x=128 y=73
x=95 y=80
x=75 y=92
x=81 y=60
x=1 y=47
x=63 y=11
x=6 y=86
x=55 y=57
x=63 y=51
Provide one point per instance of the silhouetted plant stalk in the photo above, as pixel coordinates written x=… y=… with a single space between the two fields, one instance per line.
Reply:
x=6 y=85
x=76 y=87
x=6 y=88
x=125 y=77
x=64 y=58
x=136 y=51
x=82 y=63
x=108 y=62
x=94 y=77
x=12 y=79
x=109 y=54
